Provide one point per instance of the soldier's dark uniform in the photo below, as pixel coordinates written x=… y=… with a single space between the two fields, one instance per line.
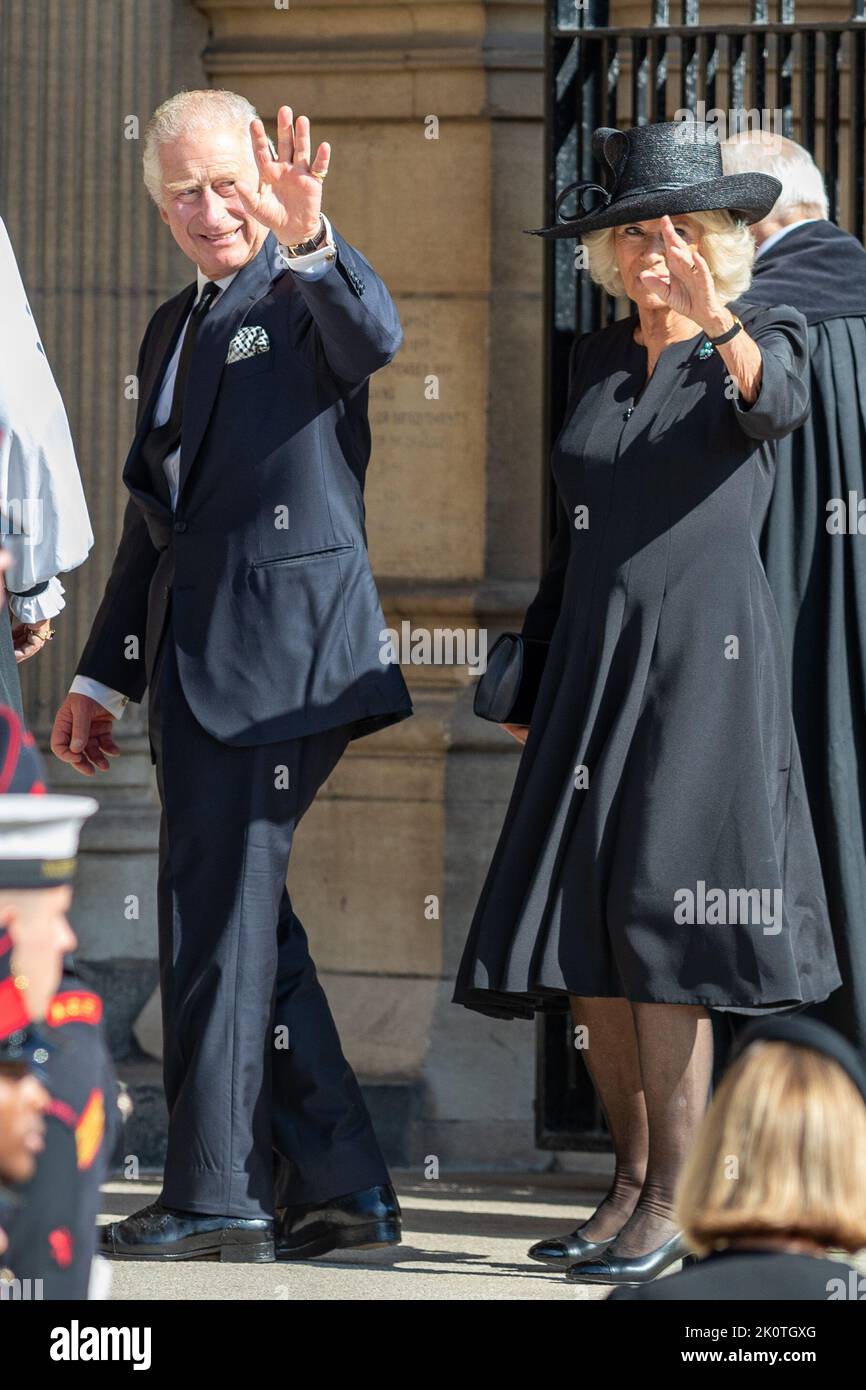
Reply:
x=52 y=1235
x=51 y=1223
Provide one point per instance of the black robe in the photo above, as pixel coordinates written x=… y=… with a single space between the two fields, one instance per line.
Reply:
x=818 y=577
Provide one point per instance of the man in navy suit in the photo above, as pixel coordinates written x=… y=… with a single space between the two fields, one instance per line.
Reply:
x=242 y=598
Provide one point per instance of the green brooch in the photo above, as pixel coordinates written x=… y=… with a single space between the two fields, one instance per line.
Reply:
x=706 y=350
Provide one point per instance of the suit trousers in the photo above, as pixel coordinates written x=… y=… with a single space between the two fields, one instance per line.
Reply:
x=264 y=1110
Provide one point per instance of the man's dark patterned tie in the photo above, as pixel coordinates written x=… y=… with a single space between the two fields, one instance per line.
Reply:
x=162 y=441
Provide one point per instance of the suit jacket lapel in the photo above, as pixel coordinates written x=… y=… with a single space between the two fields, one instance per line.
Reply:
x=214 y=335
x=153 y=371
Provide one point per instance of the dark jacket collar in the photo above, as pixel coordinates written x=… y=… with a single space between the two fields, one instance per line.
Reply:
x=817 y=268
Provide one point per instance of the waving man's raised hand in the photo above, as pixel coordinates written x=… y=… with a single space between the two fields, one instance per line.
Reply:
x=288 y=200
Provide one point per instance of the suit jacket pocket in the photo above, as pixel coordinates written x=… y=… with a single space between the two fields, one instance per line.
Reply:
x=303 y=556
x=306 y=664
x=247 y=366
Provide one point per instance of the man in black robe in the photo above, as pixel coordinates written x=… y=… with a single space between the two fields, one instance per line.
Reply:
x=814 y=539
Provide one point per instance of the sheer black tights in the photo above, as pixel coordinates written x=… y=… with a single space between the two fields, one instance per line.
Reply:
x=651 y=1066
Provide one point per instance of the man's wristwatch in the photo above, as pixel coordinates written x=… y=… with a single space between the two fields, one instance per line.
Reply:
x=303 y=248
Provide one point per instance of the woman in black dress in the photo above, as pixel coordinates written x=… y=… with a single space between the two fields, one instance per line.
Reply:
x=657 y=859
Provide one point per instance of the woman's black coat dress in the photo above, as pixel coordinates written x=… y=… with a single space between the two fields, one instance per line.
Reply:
x=658 y=844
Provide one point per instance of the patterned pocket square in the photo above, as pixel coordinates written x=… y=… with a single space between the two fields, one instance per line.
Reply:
x=247 y=342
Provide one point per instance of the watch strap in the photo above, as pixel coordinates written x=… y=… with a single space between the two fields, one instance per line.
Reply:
x=314 y=243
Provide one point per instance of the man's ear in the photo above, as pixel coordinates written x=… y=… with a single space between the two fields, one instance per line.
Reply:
x=163 y=214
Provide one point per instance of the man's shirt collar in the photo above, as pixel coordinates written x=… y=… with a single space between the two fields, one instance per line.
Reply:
x=223 y=283
x=783 y=231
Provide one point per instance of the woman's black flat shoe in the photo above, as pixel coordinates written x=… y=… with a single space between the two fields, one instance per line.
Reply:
x=562 y=1251
x=630 y=1269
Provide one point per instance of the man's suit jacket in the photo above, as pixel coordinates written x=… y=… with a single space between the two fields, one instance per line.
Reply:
x=275 y=612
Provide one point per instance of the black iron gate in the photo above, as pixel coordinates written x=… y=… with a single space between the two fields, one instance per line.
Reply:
x=804 y=80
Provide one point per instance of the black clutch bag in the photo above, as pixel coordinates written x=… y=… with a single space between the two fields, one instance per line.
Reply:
x=506 y=692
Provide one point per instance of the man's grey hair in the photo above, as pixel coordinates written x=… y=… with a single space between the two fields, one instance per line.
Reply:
x=184 y=112
x=764 y=152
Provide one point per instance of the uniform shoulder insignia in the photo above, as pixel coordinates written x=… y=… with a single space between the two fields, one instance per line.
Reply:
x=74 y=1006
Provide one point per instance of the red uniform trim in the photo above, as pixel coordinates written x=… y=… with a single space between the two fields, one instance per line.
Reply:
x=62 y=1111
x=13 y=1014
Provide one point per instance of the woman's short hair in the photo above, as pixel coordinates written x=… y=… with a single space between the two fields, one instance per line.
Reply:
x=780 y=1152
x=726 y=244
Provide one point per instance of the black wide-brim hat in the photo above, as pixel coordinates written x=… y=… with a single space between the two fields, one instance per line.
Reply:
x=671 y=167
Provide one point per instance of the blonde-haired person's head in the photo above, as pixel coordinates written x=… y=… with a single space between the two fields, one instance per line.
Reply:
x=725 y=244
x=780 y=1153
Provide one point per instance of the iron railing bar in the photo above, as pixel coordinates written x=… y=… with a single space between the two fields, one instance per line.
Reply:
x=817 y=26
x=831 y=122
x=856 y=115
x=639 y=81
x=808 y=70
x=657 y=77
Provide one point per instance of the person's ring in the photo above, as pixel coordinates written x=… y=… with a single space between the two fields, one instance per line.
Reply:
x=321 y=175
x=695 y=266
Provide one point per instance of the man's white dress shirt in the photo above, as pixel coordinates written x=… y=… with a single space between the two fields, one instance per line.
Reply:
x=313 y=266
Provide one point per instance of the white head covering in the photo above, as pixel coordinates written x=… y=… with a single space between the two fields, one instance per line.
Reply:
x=38 y=830
x=39 y=838
x=44 y=524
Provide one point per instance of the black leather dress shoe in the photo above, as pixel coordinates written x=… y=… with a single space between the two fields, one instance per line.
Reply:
x=160 y=1233
x=358 y=1221
x=630 y=1269
x=562 y=1251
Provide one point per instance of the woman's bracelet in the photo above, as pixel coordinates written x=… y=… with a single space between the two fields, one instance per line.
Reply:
x=731 y=333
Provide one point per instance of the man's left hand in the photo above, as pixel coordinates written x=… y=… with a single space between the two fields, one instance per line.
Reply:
x=29 y=638
x=288 y=200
